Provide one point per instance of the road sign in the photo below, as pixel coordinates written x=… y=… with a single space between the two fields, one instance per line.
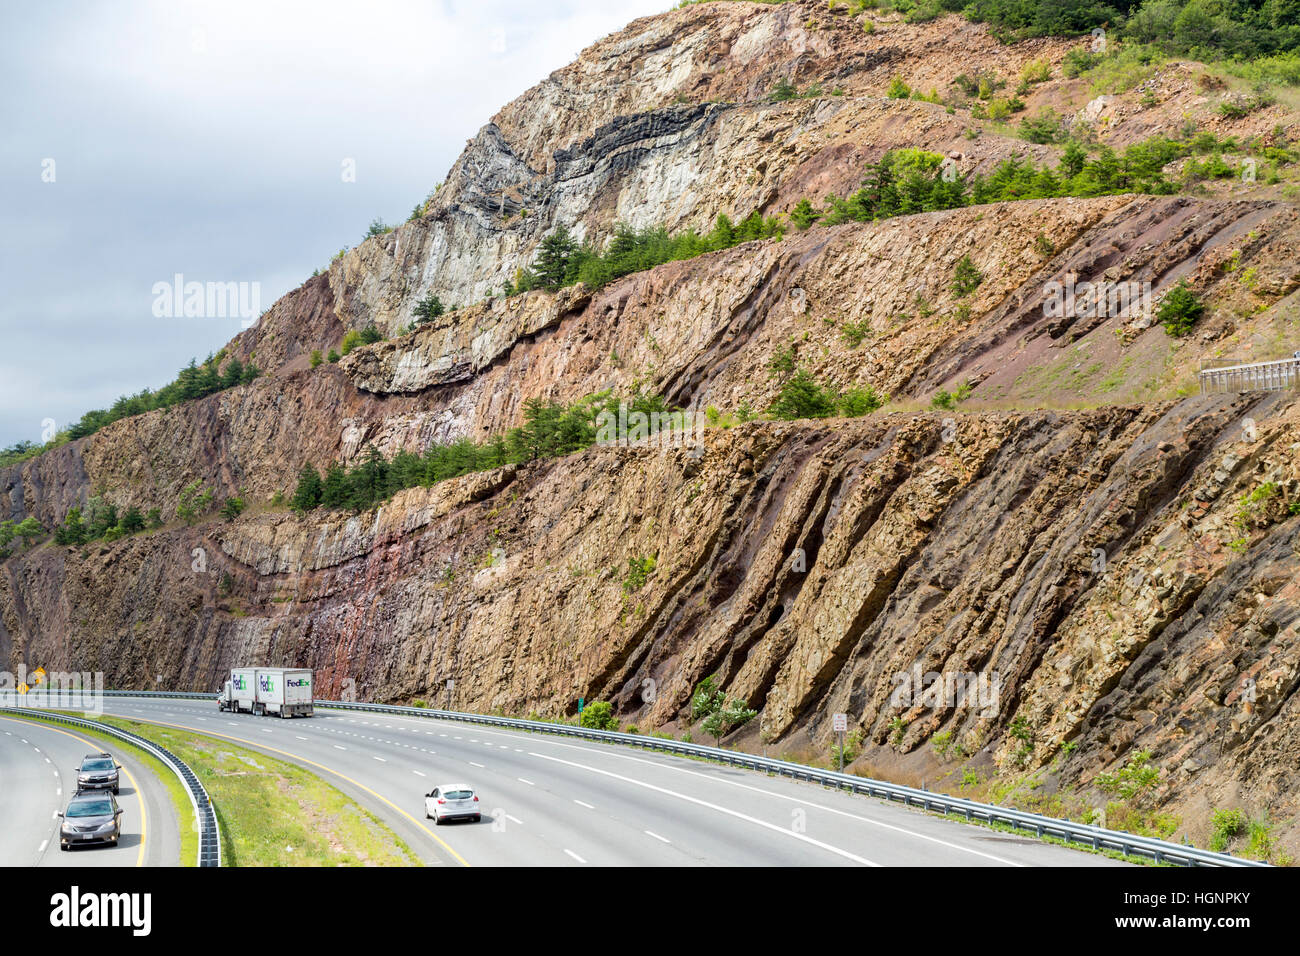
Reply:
x=839 y=722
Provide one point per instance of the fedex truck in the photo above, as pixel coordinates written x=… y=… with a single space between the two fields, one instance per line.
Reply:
x=238 y=695
x=284 y=691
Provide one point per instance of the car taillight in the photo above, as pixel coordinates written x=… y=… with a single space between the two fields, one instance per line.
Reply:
x=476 y=799
x=440 y=800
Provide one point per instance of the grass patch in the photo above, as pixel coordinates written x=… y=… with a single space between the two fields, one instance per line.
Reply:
x=273 y=813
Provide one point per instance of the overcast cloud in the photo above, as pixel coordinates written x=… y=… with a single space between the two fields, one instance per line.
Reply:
x=207 y=139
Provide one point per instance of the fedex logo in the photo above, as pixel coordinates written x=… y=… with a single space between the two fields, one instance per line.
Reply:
x=239 y=683
x=266 y=683
x=298 y=682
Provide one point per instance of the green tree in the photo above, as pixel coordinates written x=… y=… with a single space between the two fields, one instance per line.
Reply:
x=555 y=258
x=802 y=397
x=73 y=529
x=599 y=715
x=29 y=529
x=234 y=373
x=966 y=278
x=1180 y=309
x=132 y=521
x=194 y=501
x=427 y=309
x=803 y=215
x=732 y=715
x=307 y=495
x=334 y=491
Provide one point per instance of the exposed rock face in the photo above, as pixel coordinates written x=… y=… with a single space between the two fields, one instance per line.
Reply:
x=1069 y=554
x=703 y=333
x=1123 y=575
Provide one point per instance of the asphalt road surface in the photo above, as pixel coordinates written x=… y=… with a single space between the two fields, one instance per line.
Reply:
x=38 y=775
x=552 y=801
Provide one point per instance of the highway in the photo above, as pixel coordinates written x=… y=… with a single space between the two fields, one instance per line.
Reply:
x=550 y=801
x=38 y=774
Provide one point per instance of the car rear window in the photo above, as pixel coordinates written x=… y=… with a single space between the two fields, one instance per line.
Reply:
x=90 y=808
x=97 y=765
x=459 y=794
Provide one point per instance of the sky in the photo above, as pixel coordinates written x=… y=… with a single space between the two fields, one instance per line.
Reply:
x=240 y=141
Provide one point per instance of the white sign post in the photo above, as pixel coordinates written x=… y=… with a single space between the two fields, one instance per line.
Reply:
x=839 y=724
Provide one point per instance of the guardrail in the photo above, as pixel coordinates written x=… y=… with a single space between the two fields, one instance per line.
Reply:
x=209 y=853
x=1253 y=377
x=1097 y=838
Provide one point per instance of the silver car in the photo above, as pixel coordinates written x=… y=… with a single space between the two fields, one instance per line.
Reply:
x=98 y=772
x=90 y=818
x=452 y=801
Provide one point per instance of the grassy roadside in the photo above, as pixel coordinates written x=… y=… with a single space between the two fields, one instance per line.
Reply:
x=273 y=813
x=185 y=823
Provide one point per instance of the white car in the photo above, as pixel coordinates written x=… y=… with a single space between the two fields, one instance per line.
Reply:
x=452 y=801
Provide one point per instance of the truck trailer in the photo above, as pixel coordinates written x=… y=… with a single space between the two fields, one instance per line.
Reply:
x=283 y=691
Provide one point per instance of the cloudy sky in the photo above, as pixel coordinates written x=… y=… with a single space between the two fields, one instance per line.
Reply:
x=142 y=140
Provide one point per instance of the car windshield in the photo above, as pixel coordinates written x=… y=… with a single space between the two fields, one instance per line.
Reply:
x=459 y=794
x=97 y=765
x=90 y=808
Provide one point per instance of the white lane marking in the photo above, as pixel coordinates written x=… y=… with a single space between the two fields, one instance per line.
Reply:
x=58 y=792
x=802 y=837
x=337 y=747
x=381 y=760
x=587 y=805
x=479 y=765
x=417 y=773
x=575 y=856
x=54 y=815
x=658 y=837
x=796 y=799
x=514 y=820
x=44 y=844
x=529 y=782
x=300 y=738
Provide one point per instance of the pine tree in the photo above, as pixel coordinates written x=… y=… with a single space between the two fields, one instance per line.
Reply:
x=233 y=375
x=307 y=495
x=554 y=257
x=334 y=492
x=132 y=521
